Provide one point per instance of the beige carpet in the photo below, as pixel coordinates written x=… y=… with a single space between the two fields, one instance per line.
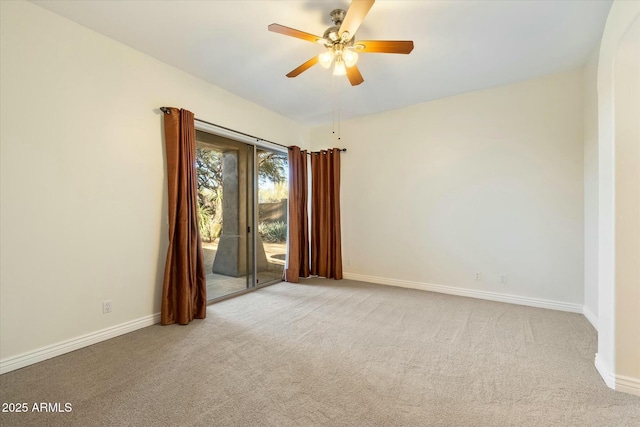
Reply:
x=332 y=353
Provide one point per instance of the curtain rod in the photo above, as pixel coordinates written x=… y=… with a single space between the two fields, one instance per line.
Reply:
x=166 y=111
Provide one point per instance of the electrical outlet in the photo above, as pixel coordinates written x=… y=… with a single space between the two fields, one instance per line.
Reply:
x=349 y=262
x=478 y=276
x=502 y=278
x=106 y=307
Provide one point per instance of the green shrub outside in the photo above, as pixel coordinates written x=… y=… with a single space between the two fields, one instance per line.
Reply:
x=273 y=232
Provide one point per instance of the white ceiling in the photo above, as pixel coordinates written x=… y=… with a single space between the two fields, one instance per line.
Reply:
x=460 y=46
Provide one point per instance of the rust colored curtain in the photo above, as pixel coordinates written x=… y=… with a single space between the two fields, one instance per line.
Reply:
x=326 y=249
x=298 y=258
x=184 y=291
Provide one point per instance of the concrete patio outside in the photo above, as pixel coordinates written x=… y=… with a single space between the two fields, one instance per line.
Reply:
x=219 y=285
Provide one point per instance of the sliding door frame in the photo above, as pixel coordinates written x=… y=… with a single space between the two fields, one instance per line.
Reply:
x=254 y=144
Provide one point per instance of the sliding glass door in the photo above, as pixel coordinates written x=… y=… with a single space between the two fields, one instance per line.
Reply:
x=272 y=214
x=242 y=226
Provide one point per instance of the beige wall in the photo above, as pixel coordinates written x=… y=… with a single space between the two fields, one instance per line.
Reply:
x=627 y=196
x=618 y=358
x=489 y=181
x=83 y=205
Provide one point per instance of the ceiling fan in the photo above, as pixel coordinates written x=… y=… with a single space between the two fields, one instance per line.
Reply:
x=342 y=47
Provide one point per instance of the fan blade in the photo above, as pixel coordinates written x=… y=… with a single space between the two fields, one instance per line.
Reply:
x=354 y=76
x=354 y=17
x=304 y=67
x=281 y=29
x=384 y=46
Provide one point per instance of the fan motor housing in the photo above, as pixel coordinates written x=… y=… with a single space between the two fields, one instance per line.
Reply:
x=331 y=35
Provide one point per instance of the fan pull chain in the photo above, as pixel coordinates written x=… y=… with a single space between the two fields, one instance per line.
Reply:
x=339 y=113
x=333 y=106
x=335 y=94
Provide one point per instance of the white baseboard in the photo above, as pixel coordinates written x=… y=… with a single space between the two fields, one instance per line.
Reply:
x=25 y=359
x=492 y=296
x=628 y=385
x=617 y=382
x=592 y=318
x=605 y=372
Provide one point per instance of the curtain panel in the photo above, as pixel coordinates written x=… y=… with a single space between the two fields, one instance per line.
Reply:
x=298 y=253
x=184 y=290
x=326 y=249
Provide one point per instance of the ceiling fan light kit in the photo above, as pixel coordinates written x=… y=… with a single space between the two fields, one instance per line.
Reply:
x=339 y=68
x=340 y=42
x=339 y=47
x=340 y=56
